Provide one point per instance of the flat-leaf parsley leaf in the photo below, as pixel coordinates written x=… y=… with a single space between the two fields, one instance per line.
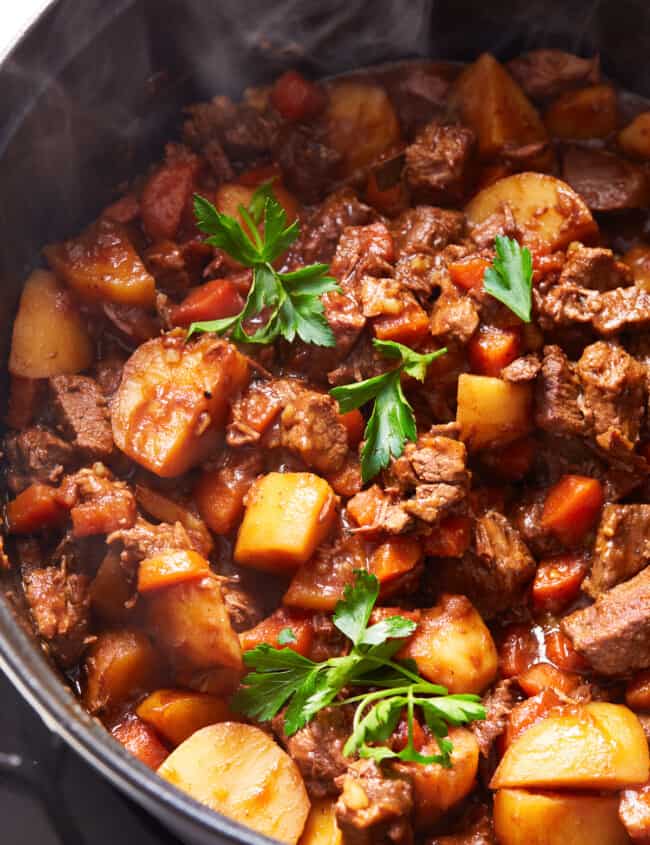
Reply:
x=510 y=278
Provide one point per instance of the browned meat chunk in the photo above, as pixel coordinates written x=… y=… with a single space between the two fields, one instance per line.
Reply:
x=522 y=369
x=36 y=455
x=427 y=229
x=475 y=830
x=502 y=222
x=433 y=501
x=82 y=415
x=546 y=73
x=614 y=633
x=389 y=514
x=145 y=540
x=322 y=231
x=60 y=605
x=498 y=703
x=419 y=96
x=374 y=805
x=256 y=409
x=309 y=165
x=605 y=181
x=241 y=130
x=362 y=250
x=99 y=504
x=608 y=313
x=244 y=606
x=311 y=428
x=439 y=459
x=454 y=316
x=621 y=309
x=622 y=547
x=317 y=748
x=596 y=269
x=557 y=406
x=438 y=163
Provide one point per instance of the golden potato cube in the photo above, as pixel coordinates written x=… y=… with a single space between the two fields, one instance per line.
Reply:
x=287 y=516
x=321 y=827
x=492 y=411
x=634 y=139
x=586 y=113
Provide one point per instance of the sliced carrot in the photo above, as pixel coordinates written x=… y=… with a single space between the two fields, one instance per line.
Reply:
x=410 y=326
x=491 y=349
x=572 y=507
x=557 y=582
x=541 y=676
x=468 y=272
x=169 y=568
x=560 y=650
x=394 y=557
x=211 y=301
x=354 y=425
x=451 y=538
x=269 y=630
x=37 y=507
x=141 y=741
x=518 y=650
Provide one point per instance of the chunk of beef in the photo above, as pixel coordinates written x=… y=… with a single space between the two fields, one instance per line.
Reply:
x=309 y=165
x=622 y=547
x=438 y=459
x=614 y=393
x=99 y=504
x=432 y=502
x=557 y=395
x=321 y=232
x=242 y=131
x=60 y=606
x=363 y=362
x=362 y=250
x=317 y=749
x=596 y=269
x=256 y=409
x=622 y=309
x=36 y=455
x=176 y=267
x=546 y=73
x=390 y=515
x=82 y=414
x=614 y=633
x=145 y=540
x=522 y=369
x=420 y=273
x=478 y=829
x=310 y=426
x=374 y=805
x=566 y=305
x=454 y=316
x=383 y=296
x=498 y=703
x=605 y=181
x=419 y=95
x=439 y=162
x=245 y=607
x=427 y=229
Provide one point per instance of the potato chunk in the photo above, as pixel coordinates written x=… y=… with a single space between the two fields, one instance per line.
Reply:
x=239 y=771
x=49 y=336
x=549 y=213
x=489 y=100
x=170 y=408
x=362 y=122
x=321 y=827
x=453 y=647
x=102 y=265
x=177 y=714
x=586 y=113
x=191 y=623
x=634 y=139
x=287 y=516
x=595 y=746
x=529 y=818
x=491 y=411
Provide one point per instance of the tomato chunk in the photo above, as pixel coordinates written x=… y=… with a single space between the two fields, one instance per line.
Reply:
x=557 y=582
x=37 y=507
x=211 y=301
x=491 y=349
x=572 y=507
x=296 y=98
x=269 y=630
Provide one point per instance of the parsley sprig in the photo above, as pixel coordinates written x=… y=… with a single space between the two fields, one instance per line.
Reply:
x=283 y=677
x=510 y=278
x=289 y=303
x=392 y=421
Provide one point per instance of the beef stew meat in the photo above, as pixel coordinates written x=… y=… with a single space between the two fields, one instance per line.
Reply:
x=345 y=398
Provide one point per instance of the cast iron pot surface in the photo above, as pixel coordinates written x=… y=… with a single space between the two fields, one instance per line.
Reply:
x=88 y=95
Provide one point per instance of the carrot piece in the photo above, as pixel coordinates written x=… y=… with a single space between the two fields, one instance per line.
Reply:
x=410 y=326
x=557 y=582
x=451 y=538
x=541 y=676
x=492 y=349
x=468 y=272
x=37 y=507
x=512 y=461
x=177 y=714
x=528 y=713
x=211 y=301
x=364 y=508
x=518 y=650
x=354 y=425
x=296 y=98
x=269 y=629
x=637 y=692
x=169 y=568
x=394 y=557
x=141 y=741
x=572 y=507
x=560 y=650
x=219 y=494
x=347 y=481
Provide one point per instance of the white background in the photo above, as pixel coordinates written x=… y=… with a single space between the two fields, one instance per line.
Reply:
x=15 y=16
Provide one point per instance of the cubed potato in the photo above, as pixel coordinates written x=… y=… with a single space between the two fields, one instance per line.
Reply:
x=101 y=265
x=111 y=589
x=453 y=647
x=489 y=100
x=49 y=335
x=529 y=818
x=362 y=122
x=238 y=770
x=437 y=789
x=231 y=195
x=170 y=567
x=321 y=827
x=634 y=139
x=593 y=746
x=120 y=665
x=549 y=213
x=169 y=411
x=169 y=510
x=287 y=516
x=638 y=258
x=491 y=411
x=190 y=622
x=585 y=113
x=177 y=714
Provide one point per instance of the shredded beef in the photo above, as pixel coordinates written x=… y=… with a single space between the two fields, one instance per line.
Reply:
x=622 y=547
x=99 y=504
x=145 y=540
x=546 y=73
x=242 y=131
x=439 y=459
x=310 y=427
x=614 y=633
x=438 y=163
x=427 y=229
x=432 y=502
x=498 y=703
x=36 y=455
x=82 y=415
x=502 y=222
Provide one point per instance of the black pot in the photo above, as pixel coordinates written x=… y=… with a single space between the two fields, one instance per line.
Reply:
x=88 y=95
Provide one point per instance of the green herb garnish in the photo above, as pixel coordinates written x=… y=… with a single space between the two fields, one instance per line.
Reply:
x=289 y=302
x=392 y=421
x=510 y=278
x=281 y=677
x=287 y=636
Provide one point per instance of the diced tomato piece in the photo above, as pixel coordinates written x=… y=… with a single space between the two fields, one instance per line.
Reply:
x=354 y=425
x=512 y=461
x=211 y=301
x=410 y=326
x=560 y=650
x=543 y=676
x=269 y=629
x=296 y=98
x=492 y=349
x=637 y=692
x=518 y=650
x=557 y=582
x=451 y=538
x=37 y=507
x=141 y=741
x=394 y=557
x=468 y=272
x=572 y=507
x=169 y=568
x=528 y=713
